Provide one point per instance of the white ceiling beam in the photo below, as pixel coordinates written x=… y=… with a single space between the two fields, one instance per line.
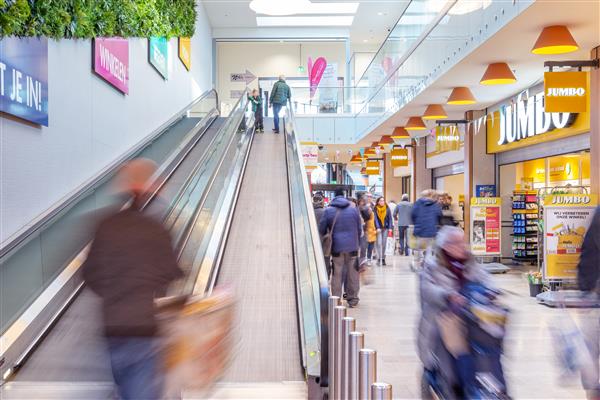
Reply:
x=321 y=33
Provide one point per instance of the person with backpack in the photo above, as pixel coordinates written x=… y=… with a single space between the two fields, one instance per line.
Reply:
x=280 y=95
x=342 y=230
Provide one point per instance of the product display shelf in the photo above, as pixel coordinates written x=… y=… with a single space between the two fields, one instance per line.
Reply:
x=525 y=212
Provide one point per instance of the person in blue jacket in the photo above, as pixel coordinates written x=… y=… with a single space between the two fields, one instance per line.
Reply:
x=426 y=215
x=383 y=223
x=346 y=233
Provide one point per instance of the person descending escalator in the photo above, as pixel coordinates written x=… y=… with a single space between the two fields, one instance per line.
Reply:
x=383 y=223
x=280 y=95
x=131 y=261
x=344 y=223
x=256 y=102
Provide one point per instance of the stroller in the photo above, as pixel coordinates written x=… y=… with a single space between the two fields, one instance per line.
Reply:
x=485 y=321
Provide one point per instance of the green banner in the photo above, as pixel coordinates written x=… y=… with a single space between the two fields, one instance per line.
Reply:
x=158 y=55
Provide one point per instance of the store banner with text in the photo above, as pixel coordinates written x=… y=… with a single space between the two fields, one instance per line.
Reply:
x=485 y=225
x=111 y=61
x=158 y=55
x=185 y=52
x=372 y=167
x=567 y=218
x=447 y=138
x=310 y=154
x=399 y=157
x=24 y=78
x=566 y=92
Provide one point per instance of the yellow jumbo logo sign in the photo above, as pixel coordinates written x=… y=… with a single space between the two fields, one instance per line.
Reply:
x=566 y=92
x=566 y=200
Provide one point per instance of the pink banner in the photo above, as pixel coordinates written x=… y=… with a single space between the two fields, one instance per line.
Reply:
x=111 y=61
x=316 y=73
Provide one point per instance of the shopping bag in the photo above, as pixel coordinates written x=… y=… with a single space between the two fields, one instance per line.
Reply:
x=390 y=245
x=199 y=341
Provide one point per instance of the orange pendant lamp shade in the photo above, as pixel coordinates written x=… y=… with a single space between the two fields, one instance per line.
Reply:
x=415 y=124
x=370 y=152
x=435 y=111
x=461 y=96
x=498 y=74
x=386 y=139
x=555 y=39
x=356 y=159
x=400 y=133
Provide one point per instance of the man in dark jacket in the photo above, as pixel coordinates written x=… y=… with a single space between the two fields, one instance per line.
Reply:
x=403 y=214
x=426 y=214
x=346 y=233
x=280 y=95
x=130 y=262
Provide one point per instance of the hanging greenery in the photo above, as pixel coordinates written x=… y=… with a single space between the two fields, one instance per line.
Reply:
x=84 y=19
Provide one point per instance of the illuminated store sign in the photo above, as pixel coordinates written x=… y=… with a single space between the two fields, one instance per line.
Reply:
x=526 y=119
x=566 y=91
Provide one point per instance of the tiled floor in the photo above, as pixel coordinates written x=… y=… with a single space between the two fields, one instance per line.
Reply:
x=388 y=313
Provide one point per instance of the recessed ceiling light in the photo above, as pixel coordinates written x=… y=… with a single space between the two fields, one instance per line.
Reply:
x=365 y=40
x=305 y=21
x=291 y=7
x=381 y=13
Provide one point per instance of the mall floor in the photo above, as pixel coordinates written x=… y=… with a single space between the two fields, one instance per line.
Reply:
x=388 y=313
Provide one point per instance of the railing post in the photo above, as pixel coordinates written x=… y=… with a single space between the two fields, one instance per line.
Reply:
x=381 y=391
x=367 y=372
x=334 y=301
x=339 y=312
x=348 y=325
x=357 y=342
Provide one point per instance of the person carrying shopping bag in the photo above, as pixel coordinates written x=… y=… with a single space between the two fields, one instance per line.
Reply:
x=383 y=223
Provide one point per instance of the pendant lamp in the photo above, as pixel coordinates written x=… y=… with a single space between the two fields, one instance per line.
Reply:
x=498 y=74
x=415 y=124
x=386 y=139
x=370 y=152
x=400 y=133
x=435 y=111
x=555 y=39
x=461 y=96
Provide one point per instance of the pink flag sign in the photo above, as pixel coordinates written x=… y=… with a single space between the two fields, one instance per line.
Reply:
x=111 y=61
x=316 y=73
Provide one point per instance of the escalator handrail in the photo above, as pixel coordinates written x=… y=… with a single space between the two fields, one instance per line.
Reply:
x=319 y=259
x=48 y=217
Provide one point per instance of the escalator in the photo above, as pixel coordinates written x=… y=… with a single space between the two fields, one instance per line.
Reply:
x=238 y=208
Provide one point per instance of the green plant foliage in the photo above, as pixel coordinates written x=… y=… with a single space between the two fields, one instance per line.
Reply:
x=82 y=19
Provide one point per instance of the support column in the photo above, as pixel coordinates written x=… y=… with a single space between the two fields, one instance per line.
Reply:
x=421 y=175
x=595 y=124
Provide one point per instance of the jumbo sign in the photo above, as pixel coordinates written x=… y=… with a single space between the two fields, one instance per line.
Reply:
x=566 y=91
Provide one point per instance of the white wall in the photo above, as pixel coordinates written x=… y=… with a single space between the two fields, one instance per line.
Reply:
x=90 y=123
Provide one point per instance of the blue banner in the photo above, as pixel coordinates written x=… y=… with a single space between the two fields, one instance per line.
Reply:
x=24 y=78
x=158 y=55
x=485 y=190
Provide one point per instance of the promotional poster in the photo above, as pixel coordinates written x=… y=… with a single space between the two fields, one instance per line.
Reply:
x=111 y=62
x=485 y=225
x=158 y=55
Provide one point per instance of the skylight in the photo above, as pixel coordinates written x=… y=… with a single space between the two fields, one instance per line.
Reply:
x=305 y=21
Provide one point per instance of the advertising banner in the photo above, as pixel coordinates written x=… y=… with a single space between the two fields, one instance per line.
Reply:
x=185 y=52
x=399 y=157
x=158 y=55
x=24 y=78
x=310 y=154
x=566 y=92
x=111 y=61
x=372 y=167
x=567 y=218
x=315 y=73
x=447 y=138
x=328 y=89
x=485 y=226
x=485 y=190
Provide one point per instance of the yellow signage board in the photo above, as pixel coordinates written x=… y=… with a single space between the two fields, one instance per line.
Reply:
x=525 y=123
x=566 y=92
x=372 y=167
x=447 y=138
x=185 y=52
x=567 y=218
x=399 y=157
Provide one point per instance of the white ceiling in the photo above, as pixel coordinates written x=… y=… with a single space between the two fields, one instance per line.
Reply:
x=371 y=22
x=512 y=44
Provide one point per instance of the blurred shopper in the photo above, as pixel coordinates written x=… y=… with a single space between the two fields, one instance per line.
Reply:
x=383 y=223
x=366 y=214
x=446 y=271
x=256 y=102
x=130 y=262
x=280 y=95
x=588 y=276
x=319 y=208
x=447 y=217
x=344 y=222
x=426 y=214
x=403 y=214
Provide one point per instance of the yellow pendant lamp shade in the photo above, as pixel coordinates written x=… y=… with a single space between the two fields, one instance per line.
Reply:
x=415 y=124
x=400 y=133
x=435 y=111
x=386 y=139
x=498 y=74
x=555 y=39
x=461 y=96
